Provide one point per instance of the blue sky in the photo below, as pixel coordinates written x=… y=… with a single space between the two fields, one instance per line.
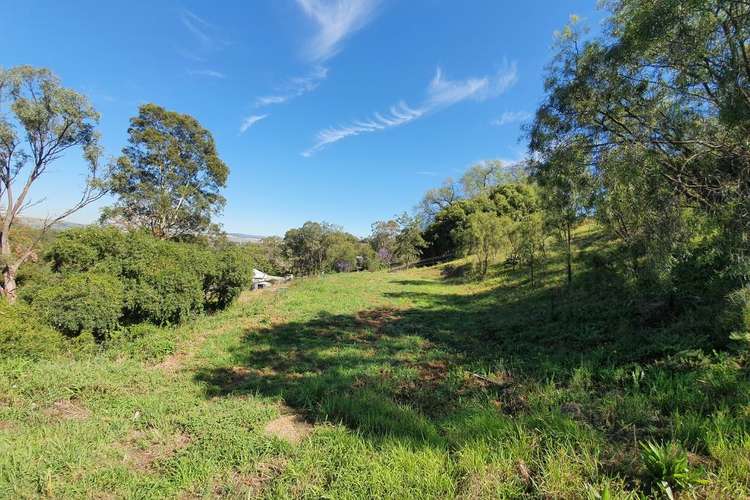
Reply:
x=343 y=111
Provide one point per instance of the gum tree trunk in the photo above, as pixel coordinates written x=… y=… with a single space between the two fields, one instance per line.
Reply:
x=9 y=270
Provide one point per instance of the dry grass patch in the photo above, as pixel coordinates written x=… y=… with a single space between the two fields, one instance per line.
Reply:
x=377 y=319
x=143 y=448
x=290 y=427
x=497 y=481
x=251 y=484
x=66 y=409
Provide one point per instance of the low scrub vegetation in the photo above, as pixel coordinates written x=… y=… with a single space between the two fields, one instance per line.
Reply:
x=112 y=285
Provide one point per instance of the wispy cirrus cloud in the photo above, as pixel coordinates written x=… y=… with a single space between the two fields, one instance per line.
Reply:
x=441 y=93
x=250 y=121
x=198 y=26
x=294 y=87
x=396 y=115
x=207 y=72
x=509 y=117
x=206 y=38
x=336 y=20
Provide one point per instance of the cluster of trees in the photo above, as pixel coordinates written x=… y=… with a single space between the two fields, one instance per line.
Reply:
x=167 y=181
x=643 y=129
x=646 y=128
x=398 y=240
x=156 y=260
x=494 y=209
x=319 y=247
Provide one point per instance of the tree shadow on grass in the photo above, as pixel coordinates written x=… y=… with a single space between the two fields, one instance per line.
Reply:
x=402 y=374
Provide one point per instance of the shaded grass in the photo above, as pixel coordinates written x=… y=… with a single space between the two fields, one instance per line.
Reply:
x=421 y=384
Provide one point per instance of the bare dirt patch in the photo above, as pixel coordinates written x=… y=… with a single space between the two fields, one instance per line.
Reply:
x=290 y=427
x=433 y=372
x=143 y=448
x=66 y=409
x=6 y=426
x=376 y=319
x=252 y=484
x=172 y=363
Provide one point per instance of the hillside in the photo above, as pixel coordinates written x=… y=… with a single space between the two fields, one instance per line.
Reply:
x=416 y=384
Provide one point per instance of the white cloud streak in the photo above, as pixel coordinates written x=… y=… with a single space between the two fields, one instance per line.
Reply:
x=509 y=117
x=441 y=93
x=198 y=26
x=295 y=87
x=336 y=20
x=396 y=115
x=207 y=72
x=207 y=39
x=250 y=121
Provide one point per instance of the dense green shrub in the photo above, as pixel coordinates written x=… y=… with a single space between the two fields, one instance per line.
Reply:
x=230 y=271
x=82 y=249
x=22 y=333
x=81 y=302
x=165 y=282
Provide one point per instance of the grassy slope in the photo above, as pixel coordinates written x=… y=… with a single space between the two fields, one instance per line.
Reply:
x=393 y=370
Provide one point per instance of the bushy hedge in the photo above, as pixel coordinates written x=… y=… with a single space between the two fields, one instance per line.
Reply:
x=82 y=302
x=229 y=272
x=23 y=334
x=164 y=282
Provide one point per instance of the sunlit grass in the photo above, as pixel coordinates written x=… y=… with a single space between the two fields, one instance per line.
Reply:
x=417 y=385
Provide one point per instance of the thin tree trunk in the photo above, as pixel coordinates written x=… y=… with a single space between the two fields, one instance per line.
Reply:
x=569 y=255
x=531 y=268
x=9 y=273
x=9 y=284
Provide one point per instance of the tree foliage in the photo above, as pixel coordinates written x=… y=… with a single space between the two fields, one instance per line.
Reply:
x=485 y=235
x=306 y=246
x=409 y=242
x=661 y=106
x=45 y=121
x=169 y=178
x=383 y=239
x=479 y=179
x=567 y=192
x=512 y=200
x=318 y=247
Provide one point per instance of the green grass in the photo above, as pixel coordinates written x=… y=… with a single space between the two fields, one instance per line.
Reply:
x=417 y=385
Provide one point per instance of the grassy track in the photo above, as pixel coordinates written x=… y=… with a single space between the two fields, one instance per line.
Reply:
x=403 y=385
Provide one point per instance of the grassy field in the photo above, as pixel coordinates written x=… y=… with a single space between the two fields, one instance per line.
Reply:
x=417 y=384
